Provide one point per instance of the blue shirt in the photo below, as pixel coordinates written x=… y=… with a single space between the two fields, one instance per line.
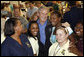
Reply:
x=11 y=47
x=53 y=37
x=42 y=31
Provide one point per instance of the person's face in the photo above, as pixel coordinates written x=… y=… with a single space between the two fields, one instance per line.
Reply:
x=27 y=5
x=38 y=5
x=61 y=36
x=16 y=12
x=79 y=29
x=35 y=18
x=43 y=15
x=31 y=5
x=54 y=20
x=18 y=27
x=34 y=29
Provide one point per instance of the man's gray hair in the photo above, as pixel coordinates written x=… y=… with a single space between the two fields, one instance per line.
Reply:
x=43 y=7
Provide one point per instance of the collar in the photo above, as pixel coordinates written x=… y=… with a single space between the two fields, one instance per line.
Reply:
x=66 y=46
x=32 y=37
x=38 y=21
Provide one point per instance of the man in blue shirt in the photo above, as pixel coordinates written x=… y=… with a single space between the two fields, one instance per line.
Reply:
x=42 y=31
x=43 y=40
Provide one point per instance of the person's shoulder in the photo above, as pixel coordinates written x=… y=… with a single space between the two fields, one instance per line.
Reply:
x=30 y=38
x=3 y=19
x=48 y=23
x=6 y=43
x=5 y=48
x=54 y=45
x=67 y=12
x=74 y=50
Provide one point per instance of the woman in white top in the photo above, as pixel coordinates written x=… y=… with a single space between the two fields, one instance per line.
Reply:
x=61 y=47
x=32 y=36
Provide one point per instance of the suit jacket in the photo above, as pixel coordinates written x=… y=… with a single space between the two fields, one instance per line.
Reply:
x=43 y=49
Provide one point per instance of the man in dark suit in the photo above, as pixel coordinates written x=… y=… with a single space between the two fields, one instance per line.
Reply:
x=43 y=22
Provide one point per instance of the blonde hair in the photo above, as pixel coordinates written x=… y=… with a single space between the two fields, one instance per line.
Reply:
x=62 y=28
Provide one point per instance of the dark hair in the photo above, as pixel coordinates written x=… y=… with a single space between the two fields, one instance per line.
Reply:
x=56 y=7
x=80 y=21
x=9 y=26
x=3 y=16
x=2 y=5
x=57 y=13
x=71 y=3
x=29 y=32
x=32 y=2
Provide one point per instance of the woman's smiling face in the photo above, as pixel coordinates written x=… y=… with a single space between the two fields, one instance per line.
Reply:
x=34 y=29
x=61 y=35
x=79 y=29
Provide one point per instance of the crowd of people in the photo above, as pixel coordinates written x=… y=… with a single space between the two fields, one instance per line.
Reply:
x=42 y=28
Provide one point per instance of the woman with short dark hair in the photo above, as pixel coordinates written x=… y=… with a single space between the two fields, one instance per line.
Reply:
x=14 y=45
